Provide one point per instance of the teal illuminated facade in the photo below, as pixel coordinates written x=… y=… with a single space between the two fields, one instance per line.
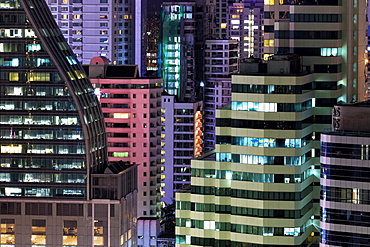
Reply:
x=177 y=52
x=52 y=134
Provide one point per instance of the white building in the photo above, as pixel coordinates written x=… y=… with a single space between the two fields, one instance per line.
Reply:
x=179 y=124
x=93 y=28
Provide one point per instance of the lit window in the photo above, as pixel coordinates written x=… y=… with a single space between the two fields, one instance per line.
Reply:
x=99 y=241
x=120 y=154
x=121 y=115
x=13 y=76
x=268 y=43
x=77 y=16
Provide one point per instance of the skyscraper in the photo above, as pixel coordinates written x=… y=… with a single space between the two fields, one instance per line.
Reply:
x=132 y=112
x=113 y=29
x=330 y=37
x=257 y=186
x=53 y=147
x=345 y=188
x=245 y=24
x=177 y=49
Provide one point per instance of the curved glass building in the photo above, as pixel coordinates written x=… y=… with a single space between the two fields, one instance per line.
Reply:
x=52 y=134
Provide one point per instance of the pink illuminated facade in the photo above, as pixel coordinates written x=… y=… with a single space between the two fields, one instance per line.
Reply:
x=132 y=112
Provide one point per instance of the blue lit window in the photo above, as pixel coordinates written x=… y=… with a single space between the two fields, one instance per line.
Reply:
x=327 y=52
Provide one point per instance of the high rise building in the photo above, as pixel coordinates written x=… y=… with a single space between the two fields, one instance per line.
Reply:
x=256 y=188
x=182 y=131
x=245 y=24
x=330 y=37
x=132 y=113
x=177 y=49
x=56 y=187
x=220 y=60
x=113 y=29
x=345 y=187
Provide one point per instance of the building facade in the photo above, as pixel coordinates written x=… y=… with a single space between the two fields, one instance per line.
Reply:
x=220 y=60
x=257 y=187
x=345 y=187
x=115 y=30
x=180 y=143
x=132 y=113
x=245 y=24
x=56 y=187
x=177 y=49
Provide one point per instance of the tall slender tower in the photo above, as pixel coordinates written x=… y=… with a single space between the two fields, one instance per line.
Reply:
x=53 y=146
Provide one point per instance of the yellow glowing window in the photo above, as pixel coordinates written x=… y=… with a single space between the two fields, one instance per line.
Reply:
x=127 y=17
x=77 y=16
x=121 y=115
x=65 y=1
x=38 y=240
x=98 y=241
x=38 y=76
x=223 y=25
x=267 y=56
x=7 y=239
x=268 y=43
x=13 y=76
x=269 y=2
x=64 y=16
x=71 y=75
x=79 y=74
x=235 y=16
x=70 y=240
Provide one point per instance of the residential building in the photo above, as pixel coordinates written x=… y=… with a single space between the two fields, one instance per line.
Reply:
x=245 y=24
x=182 y=140
x=256 y=188
x=132 y=114
x=113 y=29
x=56 y=187
x=220 y=60
x=345 y=187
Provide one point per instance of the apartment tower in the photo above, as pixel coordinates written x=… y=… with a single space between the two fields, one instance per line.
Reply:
x=112 y=29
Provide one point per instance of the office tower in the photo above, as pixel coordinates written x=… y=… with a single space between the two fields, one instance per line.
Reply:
x=345 y=189
x=245 y=24
x=182 y=131
x=330 y=35
x=220 y=60
x=256 y=188
x=53 y=143
x=132 y=113
x=113 y=29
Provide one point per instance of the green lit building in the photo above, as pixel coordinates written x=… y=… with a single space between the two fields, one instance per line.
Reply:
x=177 y=49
